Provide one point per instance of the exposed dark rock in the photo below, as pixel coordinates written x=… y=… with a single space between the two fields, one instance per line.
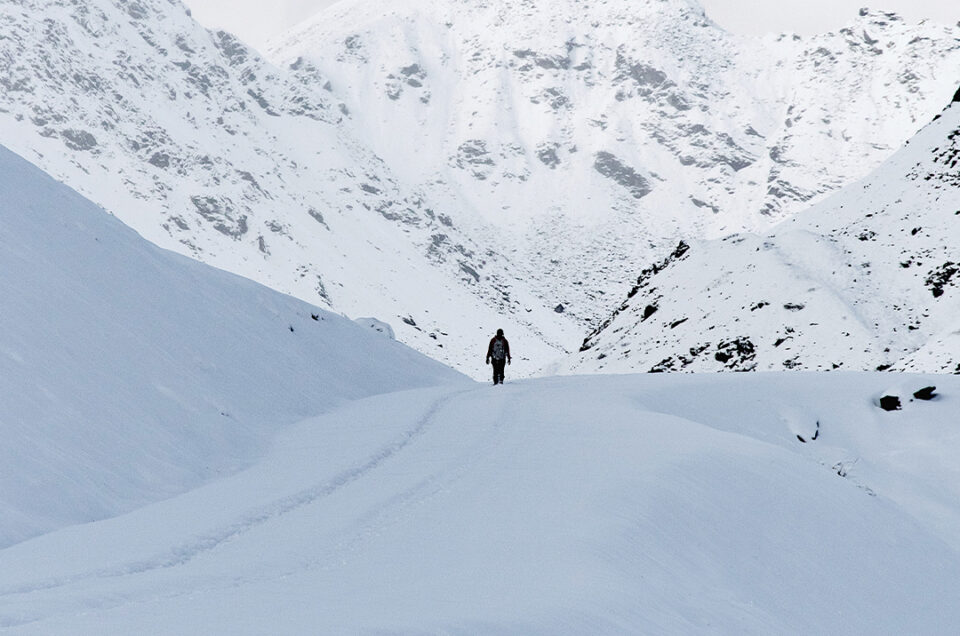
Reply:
x=473 y=153
x=78 y=139
x=890 y=402
x=736 y=355
x=318 y=217
x=262 y=102
x=665 y=365
x=160 y=160
x=643 y=74
x=703 y=204
x=136 y=11
x=940 y=277
x=548 y=155
x=220 y=213
x=553 y=62
x=648 y=311
x=321 y=290
x=813 y=438
x=560 y=309
x=609 y=166
x=231 y=48
x=465 y=268
x=926 y=393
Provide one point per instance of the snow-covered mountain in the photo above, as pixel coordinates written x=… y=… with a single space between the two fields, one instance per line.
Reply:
x=130 y=374
x=577 y=133
x=203 y=147
x=865 y=280
x=449 y=168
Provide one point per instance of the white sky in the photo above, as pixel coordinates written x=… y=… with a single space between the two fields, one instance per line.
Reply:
x=256 y=21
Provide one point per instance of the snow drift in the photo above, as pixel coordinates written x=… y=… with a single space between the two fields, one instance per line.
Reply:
x=129 y=373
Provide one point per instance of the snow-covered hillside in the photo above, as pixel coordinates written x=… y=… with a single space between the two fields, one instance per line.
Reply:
x=455 y=168
x=130 y=374
x=606 y=505
x=577 y=133
x=865 y=280
x=203 y=147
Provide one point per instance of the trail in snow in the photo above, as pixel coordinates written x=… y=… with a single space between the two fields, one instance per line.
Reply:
x=606 y=505
x=182 y=554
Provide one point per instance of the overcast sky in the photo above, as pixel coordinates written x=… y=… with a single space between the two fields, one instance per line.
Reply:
x=256 y=21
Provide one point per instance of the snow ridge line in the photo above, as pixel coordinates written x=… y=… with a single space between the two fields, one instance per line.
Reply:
x=190 y=551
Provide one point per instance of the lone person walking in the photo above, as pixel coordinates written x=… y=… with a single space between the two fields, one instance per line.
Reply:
x=499 y=352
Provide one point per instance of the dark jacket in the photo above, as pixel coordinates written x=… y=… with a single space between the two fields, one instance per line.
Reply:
x=506 y=347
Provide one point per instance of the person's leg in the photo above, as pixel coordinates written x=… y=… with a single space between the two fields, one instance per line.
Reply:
x=498 y=371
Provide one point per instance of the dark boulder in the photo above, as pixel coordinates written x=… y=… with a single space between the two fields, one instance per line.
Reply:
x=890 y=403
x=926 y=393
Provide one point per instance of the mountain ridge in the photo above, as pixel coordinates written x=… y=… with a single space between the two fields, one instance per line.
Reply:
x=864 y=280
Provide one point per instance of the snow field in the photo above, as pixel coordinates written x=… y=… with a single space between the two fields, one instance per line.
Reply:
x=621 y=504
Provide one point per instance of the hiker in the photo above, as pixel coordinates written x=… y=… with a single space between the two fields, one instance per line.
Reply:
x=499 y=352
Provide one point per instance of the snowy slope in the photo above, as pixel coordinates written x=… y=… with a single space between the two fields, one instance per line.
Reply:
x=129 y=374
x=203 y=147
x=581 y=132
x=636 y=504
x=864 y=280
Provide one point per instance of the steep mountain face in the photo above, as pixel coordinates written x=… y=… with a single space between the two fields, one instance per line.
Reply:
x=868 y=279
x=204 y=147
x=580 y=133
x=453 y=167
x=129 y=374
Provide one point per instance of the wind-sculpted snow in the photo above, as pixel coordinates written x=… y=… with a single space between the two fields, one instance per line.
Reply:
x=868 y=279
x=593 y=135
x=634 y=504
x=130 y=374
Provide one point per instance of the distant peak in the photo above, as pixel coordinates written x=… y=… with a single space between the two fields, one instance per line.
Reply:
x=881 y=17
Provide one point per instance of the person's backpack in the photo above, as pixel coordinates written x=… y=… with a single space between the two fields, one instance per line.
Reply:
x=499 y=351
